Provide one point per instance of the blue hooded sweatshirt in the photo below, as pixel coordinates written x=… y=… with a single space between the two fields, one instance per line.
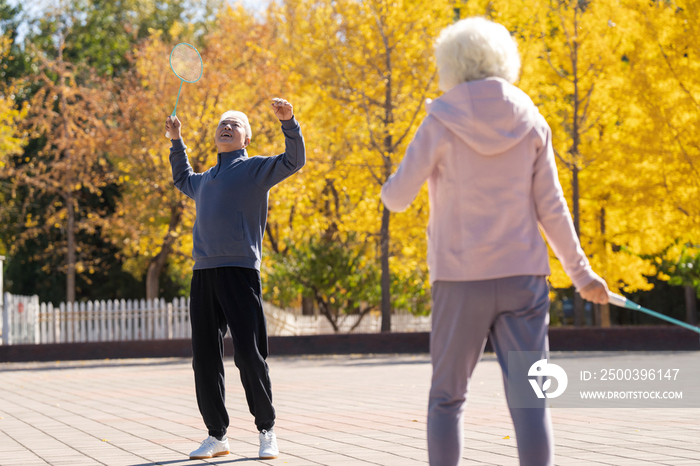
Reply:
x=231 y=199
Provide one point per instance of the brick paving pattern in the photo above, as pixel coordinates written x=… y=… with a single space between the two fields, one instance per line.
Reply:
x=332 y=410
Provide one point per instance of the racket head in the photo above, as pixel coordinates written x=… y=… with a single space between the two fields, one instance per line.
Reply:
x=186 y=62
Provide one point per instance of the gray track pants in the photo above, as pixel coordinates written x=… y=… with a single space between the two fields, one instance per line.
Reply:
x=515 y=310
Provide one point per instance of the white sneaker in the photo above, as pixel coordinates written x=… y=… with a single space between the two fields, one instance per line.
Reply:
x=268 y=445
x=211 y=447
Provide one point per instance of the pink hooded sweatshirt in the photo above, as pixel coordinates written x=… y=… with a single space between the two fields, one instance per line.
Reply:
x=492 y=179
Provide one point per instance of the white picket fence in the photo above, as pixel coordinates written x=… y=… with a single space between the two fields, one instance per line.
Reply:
x=280 y=322
x=27 y=321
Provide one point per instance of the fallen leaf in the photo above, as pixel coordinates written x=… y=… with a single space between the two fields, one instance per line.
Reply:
x=506 y=437
x=105 y=440
x=414 y=420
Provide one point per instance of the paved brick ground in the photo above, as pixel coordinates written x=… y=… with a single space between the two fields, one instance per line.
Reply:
x=342 y=410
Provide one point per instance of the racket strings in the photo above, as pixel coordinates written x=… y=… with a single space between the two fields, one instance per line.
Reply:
x=186 y=63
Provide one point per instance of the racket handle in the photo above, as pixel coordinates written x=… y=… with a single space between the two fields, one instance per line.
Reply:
x=616 y=299
x=167 y=134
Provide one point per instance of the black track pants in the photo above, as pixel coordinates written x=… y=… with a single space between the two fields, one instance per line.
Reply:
x=229 y=296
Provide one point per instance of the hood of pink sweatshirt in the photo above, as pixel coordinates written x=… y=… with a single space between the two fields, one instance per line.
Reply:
x=490 y=115
x=493 y=186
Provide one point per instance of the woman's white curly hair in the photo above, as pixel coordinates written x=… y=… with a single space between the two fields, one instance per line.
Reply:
x=475 y=48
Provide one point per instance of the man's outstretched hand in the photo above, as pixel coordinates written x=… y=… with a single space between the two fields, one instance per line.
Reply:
x=173 y=127
x=283 y=109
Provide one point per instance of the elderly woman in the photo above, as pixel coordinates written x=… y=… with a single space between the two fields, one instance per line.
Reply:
x=487 y=155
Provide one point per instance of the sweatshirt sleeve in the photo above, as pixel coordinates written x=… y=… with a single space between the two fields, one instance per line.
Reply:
x=422 y=155
x=554 y=216
x=183 y=176
x=268 y=171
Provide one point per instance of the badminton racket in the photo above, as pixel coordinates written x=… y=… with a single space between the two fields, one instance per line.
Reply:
x=621 y=301
x=186 y=63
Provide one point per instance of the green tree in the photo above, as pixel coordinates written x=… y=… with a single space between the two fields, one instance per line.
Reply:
x=97 y=38
x=67 y=125
x=333 y=271
x=685 y=272
x=679 y=264
x=94 y=39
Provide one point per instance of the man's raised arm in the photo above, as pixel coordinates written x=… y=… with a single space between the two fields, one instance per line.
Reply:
x=182 y=170
x=271 y=170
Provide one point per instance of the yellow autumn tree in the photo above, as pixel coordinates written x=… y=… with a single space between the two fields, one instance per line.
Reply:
x=575 y=69
x=577 y=85
x=10 y=140
x=366 y=69
x=664 y=63
x=664 y=93
x=577 y=64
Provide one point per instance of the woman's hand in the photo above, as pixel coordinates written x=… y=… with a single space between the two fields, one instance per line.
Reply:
x=596 y=291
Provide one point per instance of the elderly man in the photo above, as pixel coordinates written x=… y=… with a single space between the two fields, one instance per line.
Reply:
x=231 y=204
x=492 y=179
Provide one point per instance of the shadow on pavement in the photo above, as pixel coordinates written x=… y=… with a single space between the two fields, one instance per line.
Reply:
x=220 y=460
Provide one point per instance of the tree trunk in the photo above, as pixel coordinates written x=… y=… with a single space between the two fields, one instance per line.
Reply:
x=327 y=311
x=604 y=315
x=307 y=306
x=575 y=201
x=579 y=311
x=70 y=250
x=386 y=277
x=601 y=315
x=388 y=151
x=596 y=315
x=604 y=309
x=155 y=267
x=68 y=197
x=691 y=305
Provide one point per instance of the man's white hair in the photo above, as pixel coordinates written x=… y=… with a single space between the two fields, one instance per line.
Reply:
x=475 y=48
x=241 y=116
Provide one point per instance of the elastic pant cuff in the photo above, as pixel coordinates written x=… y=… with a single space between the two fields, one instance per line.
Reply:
x=267 y=426
x=218 y=434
